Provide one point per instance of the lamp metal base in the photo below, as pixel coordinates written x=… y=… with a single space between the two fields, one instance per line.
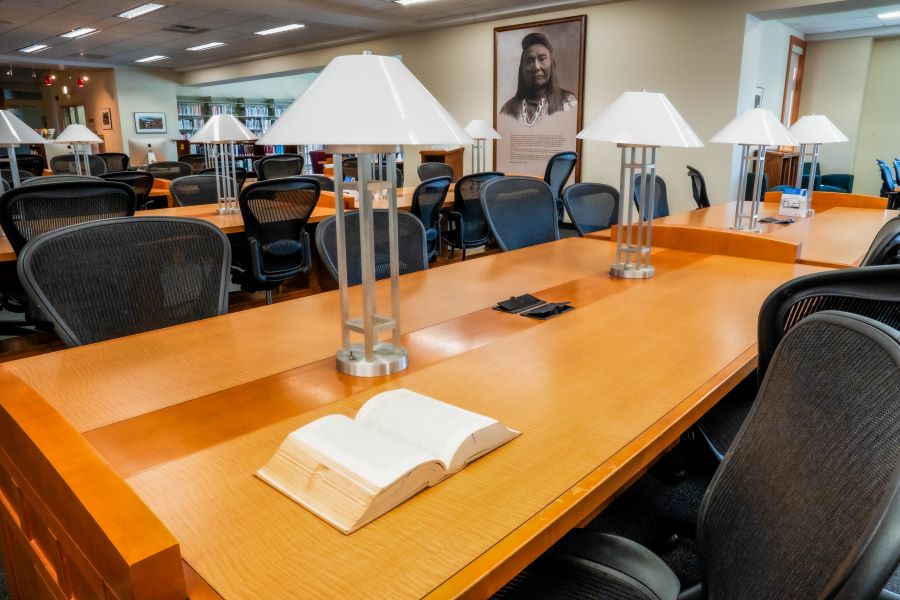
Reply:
x=632 y=271
x=386 y=360
x=756 y=229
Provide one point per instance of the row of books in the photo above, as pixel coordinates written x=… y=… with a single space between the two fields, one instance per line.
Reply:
x=190 y=124
x=221 y=109
x=257 y=110
x=190 y=109
x=258 y=124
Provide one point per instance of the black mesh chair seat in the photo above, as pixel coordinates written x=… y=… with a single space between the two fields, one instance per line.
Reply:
x=169 y=169
x=660 y=199
x=108 y=279
x=466 y=225
x=140 y=181
x=556 y=175
x=239 y=172
x=197 y=161
x=64 y=164
x=53 y=179
x=885 y=248
x=192 y=190
x=591 y=206
x=277 y=245
x=807 y=502
x=7 y=176
x=279 y=165
x=520 y=212
x=411 y=245
x=698 y=187
x=115 y=161
x=428 y=199
x=430 y=170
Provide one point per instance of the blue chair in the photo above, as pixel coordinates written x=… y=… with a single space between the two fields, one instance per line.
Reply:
x=559 y=168
x=888 y=184
x=466 y=227
x=661 y=198
x=835 y=182
x=520 y=212
x=591 y=206
x=428 y=200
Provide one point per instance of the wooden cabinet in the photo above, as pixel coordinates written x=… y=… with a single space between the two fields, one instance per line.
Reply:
x=454 y=158
x=781 y=167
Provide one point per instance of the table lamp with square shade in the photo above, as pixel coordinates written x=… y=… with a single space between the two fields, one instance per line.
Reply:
x=752 y=129
x=813 y=130
x=13 y=132
x=480 y=131
x=639 y=122
x=218 y=136
x=79 y=137
x=367 y=105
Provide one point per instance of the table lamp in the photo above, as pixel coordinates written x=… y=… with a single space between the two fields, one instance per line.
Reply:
x=13 y=131
x=639 y=122
x=367 y=105
x=813 y=130
x=480 y=131
x=218 y=136
x=755 y=128
x=80 y=138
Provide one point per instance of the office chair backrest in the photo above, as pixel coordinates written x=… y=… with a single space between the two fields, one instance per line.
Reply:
x=698 y=187
x=763 y=187
x=896 y=169
x=888 y=183
x=520 y=211
x=240 y=174
x=872 y=292
x=326 y=183
x=806 y=502
x=6 y=175
x=279 y=165
x=64 y=164
x=107 y=279
x=885 y=248
x=33 y=163
x=350 y=168
x=661 y=197
x=115 y=161
x=410 y=237
x=275 y=214
x=559 y=168
x=192 y=190
x=140 y=181
x=51 y=179
x=467 y=202
x=168 y=169
x=591 y=206
x=316 y=157
x=430 y=170
x=197 y=161
x=4 y=186
x=29 y=211
x=428 y=199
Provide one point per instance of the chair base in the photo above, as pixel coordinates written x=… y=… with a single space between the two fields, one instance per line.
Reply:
x=386 y=360
x=632 y=271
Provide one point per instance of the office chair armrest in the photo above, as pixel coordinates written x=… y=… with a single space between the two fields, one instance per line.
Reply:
x=456 y=219
x=307 y=252
x=839 y=180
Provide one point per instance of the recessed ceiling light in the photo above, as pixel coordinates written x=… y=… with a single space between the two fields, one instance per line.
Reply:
x=153 y=58
x=143 y=9
x=894 y=14
x=408 y=2
x=206 y=46
x=34 y=48
x=281 y=29
x=77 y=33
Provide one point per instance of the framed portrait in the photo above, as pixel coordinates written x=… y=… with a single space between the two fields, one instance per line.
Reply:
x=105 y=118
x=150 y=122
x=538 y=91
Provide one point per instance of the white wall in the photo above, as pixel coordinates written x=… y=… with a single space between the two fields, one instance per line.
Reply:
x=147 y=90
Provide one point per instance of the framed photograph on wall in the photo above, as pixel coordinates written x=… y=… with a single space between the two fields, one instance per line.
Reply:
x=150 y=122
x=538 y=87
x=105 y=118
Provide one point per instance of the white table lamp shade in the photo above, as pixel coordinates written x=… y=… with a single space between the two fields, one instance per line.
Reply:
x=13 y=131
x=816 y=129
x=366 y=100
x=755 y=127
x=479 y=129
x=222 y=128
x=642 y=119
x=77 y=134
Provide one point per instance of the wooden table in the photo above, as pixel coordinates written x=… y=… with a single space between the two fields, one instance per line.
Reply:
x=185 y=415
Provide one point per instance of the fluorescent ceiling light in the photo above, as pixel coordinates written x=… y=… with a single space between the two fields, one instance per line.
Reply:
x=34 y=48
x=206 y=46
x=894 y=14
x=408 y=2
x=153 y=58
x=143 y=9
x=77 y=33
x=281 y=29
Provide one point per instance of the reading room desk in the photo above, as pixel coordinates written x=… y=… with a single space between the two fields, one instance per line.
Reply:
x=184 y=416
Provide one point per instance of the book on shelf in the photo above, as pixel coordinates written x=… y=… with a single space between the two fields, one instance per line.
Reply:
x=351 y=471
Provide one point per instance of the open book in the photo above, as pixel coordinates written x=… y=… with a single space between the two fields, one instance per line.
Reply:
x=352 y=471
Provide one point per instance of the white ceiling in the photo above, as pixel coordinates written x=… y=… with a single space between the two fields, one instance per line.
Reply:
x=122 y=41
x=844 y=21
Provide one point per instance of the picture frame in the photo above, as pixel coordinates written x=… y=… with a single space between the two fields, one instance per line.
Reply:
x=150 y=122
x=538 y=92
x=106 y=118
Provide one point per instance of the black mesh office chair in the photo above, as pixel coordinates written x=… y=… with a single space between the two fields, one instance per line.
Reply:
x=430 y=170
x=326 y=183
x=33 y=163
x=192 y=190
x=428 y=200
x=115 y=161
x=53 y=179
x=805 y=505
x=591 y=206
x=169 y=169
x=277 y=245
x=411 y=245
x=885 y=248
x=64 y=164
x=763 y=187
x=556 y=175
x=140 y=181
x=466 y=227
x=661 y=197
x=7 y=176
x=108 y=279
x=279 y=165
x=350 y=168
x=698 y=187
x=197 y=161
x=240 y=174
x=520 y=211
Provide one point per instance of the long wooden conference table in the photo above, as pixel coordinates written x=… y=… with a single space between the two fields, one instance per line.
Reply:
x=124 y=458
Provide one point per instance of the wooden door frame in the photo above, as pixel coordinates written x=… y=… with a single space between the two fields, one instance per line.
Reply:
x=795 y=108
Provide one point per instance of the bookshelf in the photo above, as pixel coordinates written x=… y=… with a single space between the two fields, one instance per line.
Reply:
x=257 y=114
